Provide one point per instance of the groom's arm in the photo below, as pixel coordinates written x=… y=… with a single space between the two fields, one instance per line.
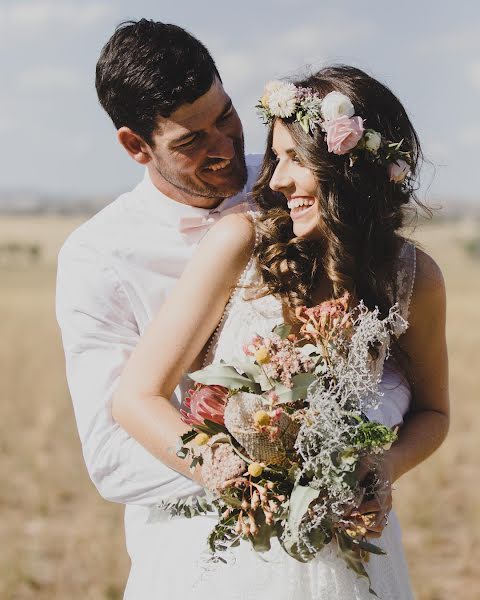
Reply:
x=99 y=333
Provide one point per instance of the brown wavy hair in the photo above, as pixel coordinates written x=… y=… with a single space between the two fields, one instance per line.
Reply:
x=361 y=212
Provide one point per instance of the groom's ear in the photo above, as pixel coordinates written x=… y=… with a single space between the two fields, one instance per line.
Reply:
x=136 y=147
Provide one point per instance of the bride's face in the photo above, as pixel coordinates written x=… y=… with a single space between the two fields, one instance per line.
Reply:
x=296 y=183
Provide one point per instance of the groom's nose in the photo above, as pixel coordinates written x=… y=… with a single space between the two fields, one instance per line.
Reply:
x=221 y=146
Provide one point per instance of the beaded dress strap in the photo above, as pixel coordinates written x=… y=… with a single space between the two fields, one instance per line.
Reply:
x=406 y=277
x=242 y=280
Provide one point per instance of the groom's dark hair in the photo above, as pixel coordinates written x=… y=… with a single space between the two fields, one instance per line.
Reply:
x=148 y=69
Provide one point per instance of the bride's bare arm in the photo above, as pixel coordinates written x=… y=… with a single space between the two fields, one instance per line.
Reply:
x=427 y=422
x=177 y=335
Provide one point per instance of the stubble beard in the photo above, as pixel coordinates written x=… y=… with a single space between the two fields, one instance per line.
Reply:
x=187 y=185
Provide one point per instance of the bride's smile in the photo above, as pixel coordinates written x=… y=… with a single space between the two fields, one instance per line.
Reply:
x=297 y=183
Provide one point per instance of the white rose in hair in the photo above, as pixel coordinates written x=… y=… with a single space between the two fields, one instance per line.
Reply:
x=372 y=140
x=336 y=105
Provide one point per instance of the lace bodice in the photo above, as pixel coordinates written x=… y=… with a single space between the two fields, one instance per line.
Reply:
x=243 y=318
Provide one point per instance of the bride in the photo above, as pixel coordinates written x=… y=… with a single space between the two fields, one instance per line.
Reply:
x=329 y=207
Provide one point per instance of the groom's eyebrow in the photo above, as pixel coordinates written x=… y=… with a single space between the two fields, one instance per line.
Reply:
x=228 y=106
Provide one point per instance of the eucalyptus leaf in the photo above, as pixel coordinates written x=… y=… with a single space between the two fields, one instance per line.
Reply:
x=283 y=330
x=300 y=500
x=226 y=375
x=301 y=383
x=250 y=369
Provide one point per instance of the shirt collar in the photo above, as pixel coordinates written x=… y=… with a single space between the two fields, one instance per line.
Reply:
x=156 y=203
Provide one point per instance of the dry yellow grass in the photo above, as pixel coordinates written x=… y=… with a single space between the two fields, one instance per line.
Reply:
x=61 y=540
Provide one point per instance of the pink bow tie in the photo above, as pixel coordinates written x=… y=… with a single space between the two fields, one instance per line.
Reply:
x=191 y=224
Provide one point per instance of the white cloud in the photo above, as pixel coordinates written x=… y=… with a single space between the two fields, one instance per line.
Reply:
x=46 y=78
x=36 y=16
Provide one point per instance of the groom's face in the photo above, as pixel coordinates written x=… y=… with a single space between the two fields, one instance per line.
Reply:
x=197 y=152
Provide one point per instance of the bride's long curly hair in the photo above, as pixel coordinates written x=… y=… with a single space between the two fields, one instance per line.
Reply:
x=361 y=211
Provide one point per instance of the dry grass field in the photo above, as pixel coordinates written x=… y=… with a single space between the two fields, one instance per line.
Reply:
x=62 y=541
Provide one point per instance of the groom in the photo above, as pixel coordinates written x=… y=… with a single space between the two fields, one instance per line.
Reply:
x=162 y=90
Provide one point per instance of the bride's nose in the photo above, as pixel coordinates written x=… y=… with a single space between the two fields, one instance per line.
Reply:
x=281 y=180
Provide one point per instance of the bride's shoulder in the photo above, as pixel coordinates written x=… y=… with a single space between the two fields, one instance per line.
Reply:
x=233 y=232
x=428 y=293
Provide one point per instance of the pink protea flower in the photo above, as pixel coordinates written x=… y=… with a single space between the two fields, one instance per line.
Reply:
x=205 y=402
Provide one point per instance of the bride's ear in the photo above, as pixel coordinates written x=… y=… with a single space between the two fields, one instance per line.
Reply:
x=136 y=147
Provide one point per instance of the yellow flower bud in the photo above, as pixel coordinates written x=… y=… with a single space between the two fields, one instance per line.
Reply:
x=351 y=532
x=255 y=469
x=261 y=417
x=200 y=439
x=262 y=356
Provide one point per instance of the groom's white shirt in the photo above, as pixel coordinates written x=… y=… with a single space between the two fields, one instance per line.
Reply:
x=114 y=272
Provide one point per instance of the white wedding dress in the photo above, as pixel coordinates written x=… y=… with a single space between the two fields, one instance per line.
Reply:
x=275 y=575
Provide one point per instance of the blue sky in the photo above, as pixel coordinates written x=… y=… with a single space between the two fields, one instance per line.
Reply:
x=56 y=139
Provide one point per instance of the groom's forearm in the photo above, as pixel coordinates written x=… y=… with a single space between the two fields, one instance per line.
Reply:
x=124 y=471
x=156 y=424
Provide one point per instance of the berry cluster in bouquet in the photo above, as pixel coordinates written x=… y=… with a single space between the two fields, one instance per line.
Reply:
x=280 y=435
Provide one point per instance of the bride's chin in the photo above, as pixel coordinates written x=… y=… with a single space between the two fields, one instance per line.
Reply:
x=309 y=231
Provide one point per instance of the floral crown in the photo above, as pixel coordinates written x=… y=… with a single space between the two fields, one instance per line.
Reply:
x=334 y=114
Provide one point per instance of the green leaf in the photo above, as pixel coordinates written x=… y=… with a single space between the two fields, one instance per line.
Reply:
x=352 y=558
x=283 y=330
x=317 y=538
x=301 y=382
x=225 y=375
x=252 y=370
x=305 y=124
x=189 y=436
x=300 y=500
x=372 y=548
x=215 y=427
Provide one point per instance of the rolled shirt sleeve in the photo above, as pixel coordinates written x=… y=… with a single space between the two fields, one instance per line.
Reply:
x=99 y=333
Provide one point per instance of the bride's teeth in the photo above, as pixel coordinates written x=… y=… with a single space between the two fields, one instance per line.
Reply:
x=297 y=202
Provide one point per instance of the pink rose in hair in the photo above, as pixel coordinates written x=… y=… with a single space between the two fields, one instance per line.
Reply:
x=343 y=133
x=397 y=171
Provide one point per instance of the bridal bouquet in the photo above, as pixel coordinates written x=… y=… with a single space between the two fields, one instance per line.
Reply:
x=280 y=435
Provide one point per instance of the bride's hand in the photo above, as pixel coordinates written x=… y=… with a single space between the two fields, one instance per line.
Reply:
x=372 y=513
